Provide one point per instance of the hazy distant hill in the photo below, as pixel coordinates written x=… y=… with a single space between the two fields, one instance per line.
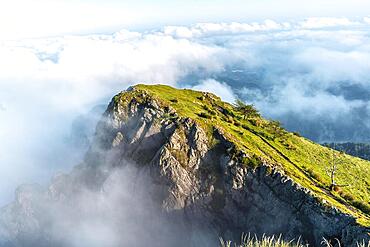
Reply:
x=361 y=150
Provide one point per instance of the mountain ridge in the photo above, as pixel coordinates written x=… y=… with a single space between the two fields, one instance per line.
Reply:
x=234 y=125
x=207 y=170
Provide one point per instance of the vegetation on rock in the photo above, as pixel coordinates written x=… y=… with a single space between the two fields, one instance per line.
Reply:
x=248 y=111
x=266 y=142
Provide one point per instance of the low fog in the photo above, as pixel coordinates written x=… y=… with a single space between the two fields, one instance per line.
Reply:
x=312 y=75
x=121 y=211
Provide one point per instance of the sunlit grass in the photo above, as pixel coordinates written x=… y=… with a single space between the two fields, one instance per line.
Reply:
x=299 y=158
x=248 y=240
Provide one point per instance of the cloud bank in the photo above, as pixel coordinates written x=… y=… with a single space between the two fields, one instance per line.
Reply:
x=46 y=84
x=313 y=75
x=43 y=18
x=122 y=211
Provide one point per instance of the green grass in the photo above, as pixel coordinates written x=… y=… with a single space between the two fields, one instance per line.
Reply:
x=273 y=241
x=264 y=241
x=299 y=158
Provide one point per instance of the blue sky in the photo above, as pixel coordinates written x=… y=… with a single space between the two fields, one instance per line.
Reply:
x=40 y=18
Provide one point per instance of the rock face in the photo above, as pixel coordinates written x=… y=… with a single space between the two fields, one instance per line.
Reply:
x=200 y=188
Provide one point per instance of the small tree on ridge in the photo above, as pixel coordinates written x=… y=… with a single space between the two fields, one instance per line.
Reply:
x=335 y=163
x=248 y=111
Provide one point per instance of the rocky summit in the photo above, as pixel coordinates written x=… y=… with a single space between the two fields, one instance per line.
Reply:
x=176 y=167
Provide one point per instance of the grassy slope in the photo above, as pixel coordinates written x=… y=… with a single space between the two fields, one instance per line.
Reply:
x=303 y=160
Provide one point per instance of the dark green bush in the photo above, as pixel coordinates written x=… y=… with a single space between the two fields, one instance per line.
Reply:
x=297 y=134
x=227 y=112
x=256 y=121
x=237 y=124
x=209 y=110
x=204 y=115
x=252 y=162
x=246 y=127
x=205 y=107
x=363 y=206
x=347 y=196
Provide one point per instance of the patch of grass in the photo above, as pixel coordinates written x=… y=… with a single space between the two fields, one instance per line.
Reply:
x=265 y=241
x=204 y=115
x=209 y=110
x=256 y=122
x=314 y=174
x=346 y=196
x=180 y=156
x=252 y=162
x=336 y=243
x=247 y=240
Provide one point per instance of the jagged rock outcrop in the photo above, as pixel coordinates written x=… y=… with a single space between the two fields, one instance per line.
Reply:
x=207 y=183
x=201 y=186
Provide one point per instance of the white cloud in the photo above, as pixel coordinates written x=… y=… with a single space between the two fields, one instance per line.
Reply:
x=366 y=20
x=41 y=18
x=221 y=89
x=324 y=22
x=236 y=28
x=181 y=32
x=331 y=66
x=294 y=98
x=207 y=29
